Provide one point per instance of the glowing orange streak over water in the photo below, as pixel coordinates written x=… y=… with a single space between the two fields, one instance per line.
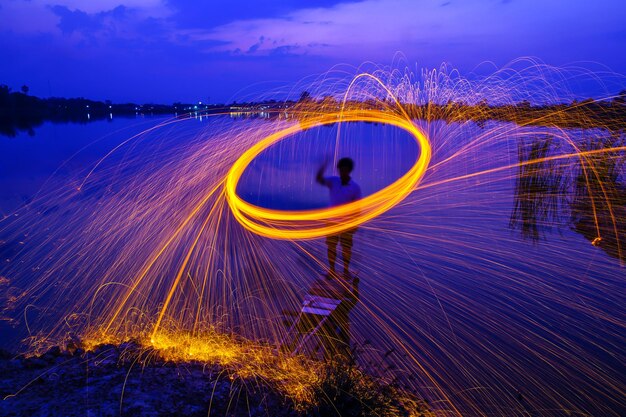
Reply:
x=518 y=164
x=288 y=224
x=579 y=154
x=345 y=100
x=119 y=146
x=583 y=161
x=182 y=268
x=144 y=272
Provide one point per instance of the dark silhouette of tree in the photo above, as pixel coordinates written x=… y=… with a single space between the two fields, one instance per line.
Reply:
x=305 y=96
x=539 y=189
x=21 y=112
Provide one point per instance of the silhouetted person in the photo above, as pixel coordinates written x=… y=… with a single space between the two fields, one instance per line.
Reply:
x=343 y=190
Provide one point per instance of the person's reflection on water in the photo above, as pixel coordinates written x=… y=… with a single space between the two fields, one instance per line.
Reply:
x=322 y=327
x=341 y=322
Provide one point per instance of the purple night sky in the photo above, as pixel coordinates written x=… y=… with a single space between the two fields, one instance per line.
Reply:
x=188 y=50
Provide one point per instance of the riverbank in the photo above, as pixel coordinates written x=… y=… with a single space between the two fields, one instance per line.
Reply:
x=130 y=380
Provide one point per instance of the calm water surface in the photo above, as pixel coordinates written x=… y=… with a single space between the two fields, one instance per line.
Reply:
x=481 y=306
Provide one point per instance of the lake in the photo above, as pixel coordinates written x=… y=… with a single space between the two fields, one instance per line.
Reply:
x=454 y=300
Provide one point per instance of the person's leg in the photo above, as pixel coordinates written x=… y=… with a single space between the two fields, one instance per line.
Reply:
x=331 y=242
x=346 y=251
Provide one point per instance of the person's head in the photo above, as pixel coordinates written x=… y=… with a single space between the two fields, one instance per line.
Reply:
x=345 y=167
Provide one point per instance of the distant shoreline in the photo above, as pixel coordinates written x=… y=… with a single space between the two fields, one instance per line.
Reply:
x=22 y=112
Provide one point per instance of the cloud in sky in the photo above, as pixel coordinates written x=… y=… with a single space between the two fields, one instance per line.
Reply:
x=100 y=46
x=37 y=16
x=78 y=20
x=379 y=27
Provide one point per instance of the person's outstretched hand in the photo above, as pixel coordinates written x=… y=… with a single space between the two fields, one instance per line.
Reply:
x=320 y=172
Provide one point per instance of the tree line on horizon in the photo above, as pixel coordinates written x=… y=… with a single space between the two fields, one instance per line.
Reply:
x=20 y=111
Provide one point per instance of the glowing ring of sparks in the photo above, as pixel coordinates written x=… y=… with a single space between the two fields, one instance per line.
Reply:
x=310 y=224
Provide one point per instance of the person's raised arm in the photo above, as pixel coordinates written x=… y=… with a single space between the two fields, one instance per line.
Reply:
x=320 y=173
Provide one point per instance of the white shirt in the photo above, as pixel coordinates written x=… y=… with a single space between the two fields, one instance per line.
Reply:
x=342 y=194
